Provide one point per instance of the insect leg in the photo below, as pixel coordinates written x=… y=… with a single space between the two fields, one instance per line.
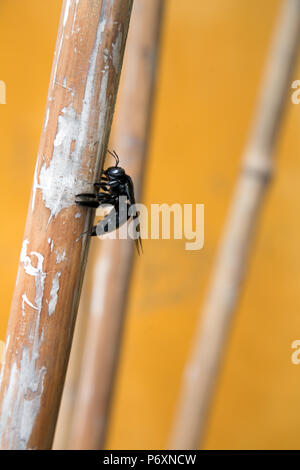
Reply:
x=130 y=195
x=102 y=185
x=87 y=200
x=93 y=204
x=91 y=195
x=105 y=198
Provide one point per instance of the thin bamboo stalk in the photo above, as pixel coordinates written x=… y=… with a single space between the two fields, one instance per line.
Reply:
x=114 y=257
x=83 y=87
x=68 y=400
x=257 y=167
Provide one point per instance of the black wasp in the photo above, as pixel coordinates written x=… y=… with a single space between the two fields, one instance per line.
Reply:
x=114 y=183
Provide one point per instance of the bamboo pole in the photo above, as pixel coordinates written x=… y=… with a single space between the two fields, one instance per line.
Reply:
x=114 y=257
x=257 y=167
x=68 y=399
x=83 y=87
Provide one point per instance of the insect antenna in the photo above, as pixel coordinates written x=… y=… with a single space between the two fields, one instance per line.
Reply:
x=115 y=155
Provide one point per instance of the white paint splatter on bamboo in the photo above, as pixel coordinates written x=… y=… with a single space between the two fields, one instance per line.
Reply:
x=21 y=401
x=46 y=118
x=26 y=301
x=61 y=180
x=35 y=187
x=54 y=294
x=116 y=50
x=60 y=256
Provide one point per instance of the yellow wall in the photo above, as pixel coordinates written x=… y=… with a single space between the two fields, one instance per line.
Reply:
x=211 y=64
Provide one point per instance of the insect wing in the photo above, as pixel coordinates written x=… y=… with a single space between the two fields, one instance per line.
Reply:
x=130 y=195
